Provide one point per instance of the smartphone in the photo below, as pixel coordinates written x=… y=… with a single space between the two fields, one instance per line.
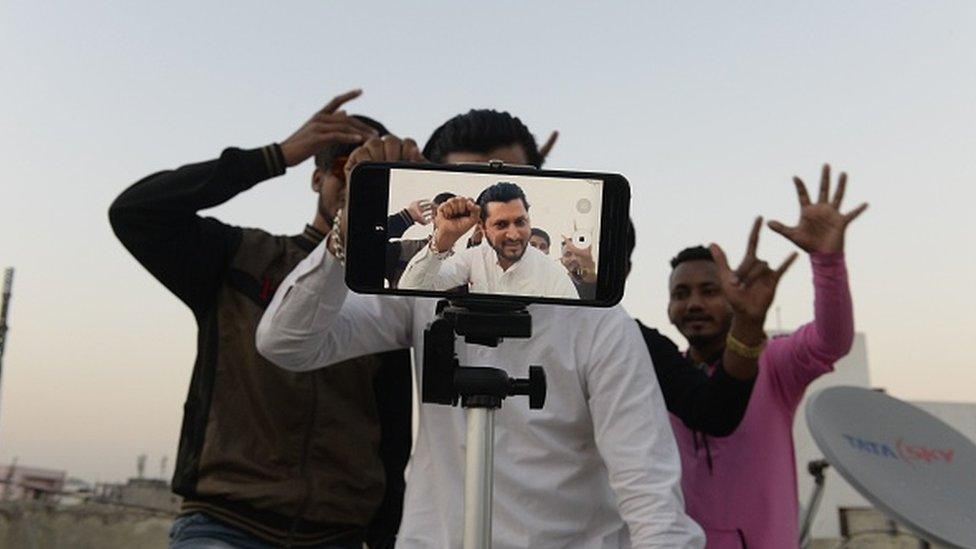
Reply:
x=536 y=236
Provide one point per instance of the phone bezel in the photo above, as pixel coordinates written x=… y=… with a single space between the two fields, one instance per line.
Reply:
x=368 y=210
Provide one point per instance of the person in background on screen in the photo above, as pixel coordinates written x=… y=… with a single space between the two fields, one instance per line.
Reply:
x=540 y=240
x=581 y=267
x=399 y=252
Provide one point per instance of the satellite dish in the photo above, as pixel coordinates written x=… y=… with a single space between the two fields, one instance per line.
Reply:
x=905 y=461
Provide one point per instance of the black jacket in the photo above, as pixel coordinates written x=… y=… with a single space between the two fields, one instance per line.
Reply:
x=713 y=405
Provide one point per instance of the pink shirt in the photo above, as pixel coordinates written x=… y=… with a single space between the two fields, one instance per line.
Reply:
x=741 y=489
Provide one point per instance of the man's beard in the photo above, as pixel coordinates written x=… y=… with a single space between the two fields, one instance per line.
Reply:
x=503 y=253
x=702 y=341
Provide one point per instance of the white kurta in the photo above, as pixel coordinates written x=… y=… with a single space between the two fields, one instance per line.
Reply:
x=535 y=274
x=596 y=468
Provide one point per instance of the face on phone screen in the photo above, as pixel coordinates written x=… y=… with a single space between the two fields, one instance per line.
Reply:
x=484 y=233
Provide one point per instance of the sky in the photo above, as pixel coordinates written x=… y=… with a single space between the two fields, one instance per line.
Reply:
x=708 y=108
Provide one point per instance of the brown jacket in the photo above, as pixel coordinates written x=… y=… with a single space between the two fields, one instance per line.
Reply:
x=293 y=458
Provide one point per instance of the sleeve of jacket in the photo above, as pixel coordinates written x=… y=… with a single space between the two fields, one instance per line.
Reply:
x=398 y=223
x=156 y=219
x=713 y=405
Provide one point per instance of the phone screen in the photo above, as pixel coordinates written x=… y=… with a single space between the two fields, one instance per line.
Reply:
x=535 y=236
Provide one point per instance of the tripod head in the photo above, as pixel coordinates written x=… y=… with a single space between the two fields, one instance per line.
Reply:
x=481 y=322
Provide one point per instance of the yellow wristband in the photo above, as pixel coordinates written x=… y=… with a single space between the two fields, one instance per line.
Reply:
x=744 y=350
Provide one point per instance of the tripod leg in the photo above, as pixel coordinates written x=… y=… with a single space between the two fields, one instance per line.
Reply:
x=477 y=478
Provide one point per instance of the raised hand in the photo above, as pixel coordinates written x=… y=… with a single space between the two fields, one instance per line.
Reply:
x=821 y=227
x=578 y=261
x=327 y=127
x=546 y=147
x=454 y=218
x=389 y=148
x=421 y=211
x=751 y=287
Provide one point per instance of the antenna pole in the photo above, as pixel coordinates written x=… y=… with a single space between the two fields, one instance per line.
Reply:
x=8 y=283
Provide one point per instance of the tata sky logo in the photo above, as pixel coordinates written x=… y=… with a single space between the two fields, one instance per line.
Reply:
x=901 y=450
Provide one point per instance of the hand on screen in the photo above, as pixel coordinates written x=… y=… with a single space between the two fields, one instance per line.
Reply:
x=578 y=261
x=421 y=211
x=329 y=126
x=454 y=218
x=751 y=288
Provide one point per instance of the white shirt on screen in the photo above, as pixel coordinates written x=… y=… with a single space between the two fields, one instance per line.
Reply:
x=535 y=274
x=596 y=468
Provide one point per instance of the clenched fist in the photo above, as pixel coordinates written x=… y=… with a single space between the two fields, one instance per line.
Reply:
x=454 y=218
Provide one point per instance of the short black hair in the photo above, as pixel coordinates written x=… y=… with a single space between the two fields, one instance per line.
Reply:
x=325 y=157
x=443 y=197
x=693 y=253
x=481 y=131
x=536 y=231
x=502 y=191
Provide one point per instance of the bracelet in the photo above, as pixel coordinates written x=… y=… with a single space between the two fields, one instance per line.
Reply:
x=334 y=239
x=743 y=350
x=446 y=253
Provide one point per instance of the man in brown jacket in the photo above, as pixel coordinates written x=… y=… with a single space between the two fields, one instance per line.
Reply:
x=269 y=457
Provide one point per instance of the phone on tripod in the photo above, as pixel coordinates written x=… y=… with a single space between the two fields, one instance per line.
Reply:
x=489 y=232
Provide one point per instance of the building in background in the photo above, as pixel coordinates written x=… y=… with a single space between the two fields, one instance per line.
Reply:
x=20 y=483
x=143 y=493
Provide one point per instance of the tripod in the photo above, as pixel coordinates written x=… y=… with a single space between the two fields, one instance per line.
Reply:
x=480 y=390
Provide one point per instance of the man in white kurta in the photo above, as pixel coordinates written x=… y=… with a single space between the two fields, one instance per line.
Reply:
x=596 y=468
x=504 y=263
x=478 y=268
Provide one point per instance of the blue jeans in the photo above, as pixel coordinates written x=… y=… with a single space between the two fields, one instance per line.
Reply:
x=198 y=531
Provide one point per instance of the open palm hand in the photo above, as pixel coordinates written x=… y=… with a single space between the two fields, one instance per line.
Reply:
x=821 y=226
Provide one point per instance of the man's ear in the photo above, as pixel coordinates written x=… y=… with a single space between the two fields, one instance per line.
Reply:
x=318 y=179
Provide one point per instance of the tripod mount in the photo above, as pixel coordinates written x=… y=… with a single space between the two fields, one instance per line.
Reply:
x=480 y=389
x=480 y=322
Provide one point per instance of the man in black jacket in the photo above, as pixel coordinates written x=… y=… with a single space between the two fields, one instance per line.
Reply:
x=266 y=456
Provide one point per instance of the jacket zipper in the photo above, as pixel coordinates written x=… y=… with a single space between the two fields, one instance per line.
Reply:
x=303 y=462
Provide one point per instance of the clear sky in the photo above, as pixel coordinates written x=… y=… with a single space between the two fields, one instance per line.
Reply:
x=708 y=108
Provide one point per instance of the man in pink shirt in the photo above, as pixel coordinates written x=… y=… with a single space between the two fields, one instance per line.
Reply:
x=741 y=489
